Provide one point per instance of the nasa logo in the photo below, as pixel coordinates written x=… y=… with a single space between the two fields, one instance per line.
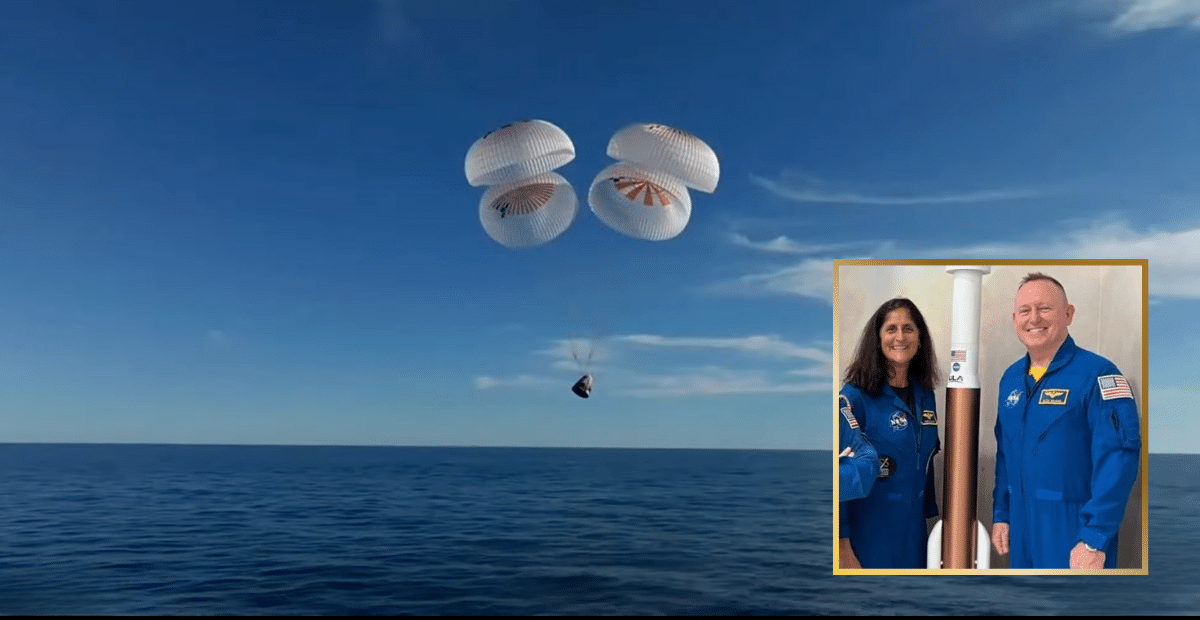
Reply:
x=1014 y=397
x=955 y=367
x=899 y=421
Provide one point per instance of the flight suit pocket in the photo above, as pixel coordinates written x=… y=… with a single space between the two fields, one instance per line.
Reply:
x=1127 y=425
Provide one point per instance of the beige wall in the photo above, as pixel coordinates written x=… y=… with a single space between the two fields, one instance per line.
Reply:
x=1108 y=302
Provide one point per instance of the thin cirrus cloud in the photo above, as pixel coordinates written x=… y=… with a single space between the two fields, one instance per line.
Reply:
x=218 y=338
x=1173 y=255
x=712 y=380
x=783 y=245
x=1125 y=17
x=1107 y=18
x=769 y=345
x=690 y=382
x=811 y=277
x=487 y=382
x=805 y=193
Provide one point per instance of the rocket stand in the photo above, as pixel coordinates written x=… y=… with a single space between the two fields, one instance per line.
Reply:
x=963 y=540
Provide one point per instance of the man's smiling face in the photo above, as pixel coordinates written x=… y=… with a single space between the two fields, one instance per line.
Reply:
x=1041 y=316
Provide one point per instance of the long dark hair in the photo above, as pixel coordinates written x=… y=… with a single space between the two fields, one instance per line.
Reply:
x=869 y=370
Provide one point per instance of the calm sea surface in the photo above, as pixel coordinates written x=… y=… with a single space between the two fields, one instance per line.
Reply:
x=144 y=529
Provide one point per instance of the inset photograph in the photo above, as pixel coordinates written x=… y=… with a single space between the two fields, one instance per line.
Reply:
x=990 y=416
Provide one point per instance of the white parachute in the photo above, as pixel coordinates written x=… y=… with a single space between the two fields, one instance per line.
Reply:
x=528 y=204
x=529 y=211
x=517 y=151
x=645 y=194
x=666 y=149
x=640 y=202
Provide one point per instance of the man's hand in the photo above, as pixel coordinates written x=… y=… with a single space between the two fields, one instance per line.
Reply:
x=1081 y=557
x=1000 y=538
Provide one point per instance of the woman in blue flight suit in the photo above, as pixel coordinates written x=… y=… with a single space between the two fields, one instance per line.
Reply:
x=889 y=391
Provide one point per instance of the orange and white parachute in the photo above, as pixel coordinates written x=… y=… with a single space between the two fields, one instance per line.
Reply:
x=527 y=203
x=645 y=194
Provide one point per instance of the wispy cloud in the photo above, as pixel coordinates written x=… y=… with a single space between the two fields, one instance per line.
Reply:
x=784 y=245
x=812 y=371
x=769 y=345
x=804 y=192
x=1174 y=260
x=1112 y=18
x=712 y=380
x=1136 y=16
x=810 y=278
x=218 y=338
x=521 y=381
x=690 y=381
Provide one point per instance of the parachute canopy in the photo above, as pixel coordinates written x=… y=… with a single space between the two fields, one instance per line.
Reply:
x=640 y=202
x=527 y=203
x=666 y=149
x=517 y=151
x=644 y=195
x=530 y=211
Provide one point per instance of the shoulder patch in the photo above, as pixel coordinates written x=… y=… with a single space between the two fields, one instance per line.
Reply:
x=887 y=466
x=1114 y=386
x=846 y=412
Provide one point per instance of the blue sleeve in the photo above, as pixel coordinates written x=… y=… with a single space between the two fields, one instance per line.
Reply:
x=866 y=469
x=1000 y=492
x=857 y=474
x=1116 y=454
x=931 y=507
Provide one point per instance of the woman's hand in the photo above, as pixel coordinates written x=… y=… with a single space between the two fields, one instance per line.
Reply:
x=846 y=555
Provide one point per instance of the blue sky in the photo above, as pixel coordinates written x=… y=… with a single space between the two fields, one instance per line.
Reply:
x=247 y=222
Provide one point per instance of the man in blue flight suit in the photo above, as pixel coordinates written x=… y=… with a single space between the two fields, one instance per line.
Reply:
x=858 y=462
x=1068 y=442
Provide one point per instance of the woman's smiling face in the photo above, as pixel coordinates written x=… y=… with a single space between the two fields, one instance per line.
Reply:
x=899 y=338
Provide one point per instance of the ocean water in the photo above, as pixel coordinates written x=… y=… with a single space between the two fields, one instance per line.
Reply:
x=173 y=530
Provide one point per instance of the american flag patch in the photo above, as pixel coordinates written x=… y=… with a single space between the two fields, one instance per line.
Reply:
x=847 y=413
x=1114 y=386
x=958 y=356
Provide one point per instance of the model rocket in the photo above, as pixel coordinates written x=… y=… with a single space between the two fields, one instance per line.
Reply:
x=959 y=540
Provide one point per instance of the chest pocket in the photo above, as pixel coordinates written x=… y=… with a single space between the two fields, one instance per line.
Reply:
x=1059 y=420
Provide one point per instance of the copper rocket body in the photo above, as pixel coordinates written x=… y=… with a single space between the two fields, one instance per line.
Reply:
x=961 y=460
x=960 y=480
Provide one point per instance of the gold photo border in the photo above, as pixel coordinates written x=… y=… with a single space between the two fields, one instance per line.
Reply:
x=1144 y=404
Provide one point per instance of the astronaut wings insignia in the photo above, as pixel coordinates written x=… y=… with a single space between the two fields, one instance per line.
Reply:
x=1051 y=396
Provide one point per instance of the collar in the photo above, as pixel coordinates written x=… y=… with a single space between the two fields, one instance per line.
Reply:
x=1066 y=351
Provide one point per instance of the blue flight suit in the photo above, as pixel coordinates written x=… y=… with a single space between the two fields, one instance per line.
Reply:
x=887 y=527
x=858 y=472
x=1067 y=454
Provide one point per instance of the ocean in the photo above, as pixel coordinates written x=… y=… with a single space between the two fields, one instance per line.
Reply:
x=305 y=530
